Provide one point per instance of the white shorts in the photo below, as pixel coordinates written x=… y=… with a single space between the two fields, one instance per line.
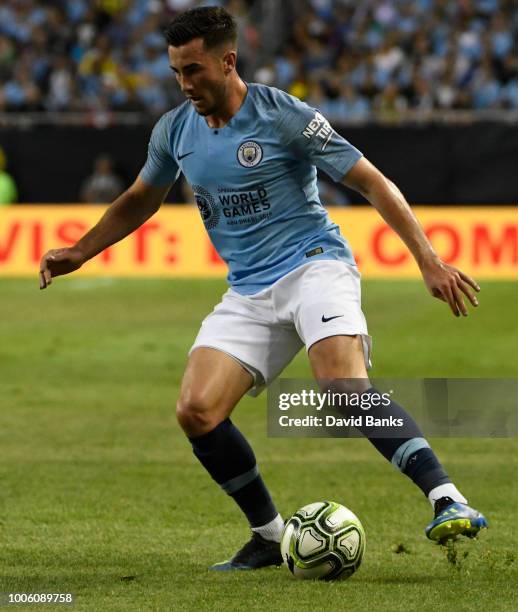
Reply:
x=265 y=331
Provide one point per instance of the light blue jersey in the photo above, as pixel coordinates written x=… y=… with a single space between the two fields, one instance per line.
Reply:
x=255 y=182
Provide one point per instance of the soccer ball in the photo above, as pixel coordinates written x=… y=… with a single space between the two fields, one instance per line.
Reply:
x=324 y=541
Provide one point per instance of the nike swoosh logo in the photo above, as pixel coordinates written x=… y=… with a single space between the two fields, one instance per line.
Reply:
x=326 y=319
x=180 y=157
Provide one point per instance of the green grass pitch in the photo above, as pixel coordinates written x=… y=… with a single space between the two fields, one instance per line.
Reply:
x=101 y=496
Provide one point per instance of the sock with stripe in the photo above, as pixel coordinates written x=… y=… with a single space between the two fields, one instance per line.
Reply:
x=225 y=453
x=408 y=451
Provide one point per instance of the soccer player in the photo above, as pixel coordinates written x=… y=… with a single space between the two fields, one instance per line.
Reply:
x=250 y=154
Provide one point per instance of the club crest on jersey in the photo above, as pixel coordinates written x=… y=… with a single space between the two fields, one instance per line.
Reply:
x=209 y=211
x=250 y=154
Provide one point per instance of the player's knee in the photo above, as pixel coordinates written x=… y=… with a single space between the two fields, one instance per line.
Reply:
x=338 y=367
x=196 y=414
x=338 y=357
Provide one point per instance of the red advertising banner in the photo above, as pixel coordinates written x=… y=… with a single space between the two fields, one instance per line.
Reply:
x=483 y=241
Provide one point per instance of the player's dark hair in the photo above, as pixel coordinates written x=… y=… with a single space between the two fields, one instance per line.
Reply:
x=212 y=23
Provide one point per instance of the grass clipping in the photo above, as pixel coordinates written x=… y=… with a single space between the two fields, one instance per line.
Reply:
x=464 y=560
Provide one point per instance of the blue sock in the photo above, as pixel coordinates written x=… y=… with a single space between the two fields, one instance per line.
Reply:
x=410 y=454
x=228 y=457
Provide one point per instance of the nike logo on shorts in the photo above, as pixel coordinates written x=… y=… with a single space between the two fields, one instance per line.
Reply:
x=326 y=319
x=185 y=155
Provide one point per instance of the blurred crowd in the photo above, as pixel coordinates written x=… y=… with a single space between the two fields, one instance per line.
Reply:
x=89 y=55
x=351 y=58
x=347 y=58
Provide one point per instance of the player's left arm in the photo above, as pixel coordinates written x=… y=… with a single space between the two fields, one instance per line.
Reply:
x=442 y=280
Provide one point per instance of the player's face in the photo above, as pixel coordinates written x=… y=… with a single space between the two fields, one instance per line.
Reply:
x=202 y=74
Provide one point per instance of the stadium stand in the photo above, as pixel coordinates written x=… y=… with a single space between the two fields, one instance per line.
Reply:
x=351 y=59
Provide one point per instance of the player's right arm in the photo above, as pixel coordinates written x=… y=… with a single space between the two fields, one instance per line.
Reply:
x=127 y=213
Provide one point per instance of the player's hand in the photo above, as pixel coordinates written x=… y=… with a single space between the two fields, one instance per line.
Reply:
x=58 y=262
x=450 y=285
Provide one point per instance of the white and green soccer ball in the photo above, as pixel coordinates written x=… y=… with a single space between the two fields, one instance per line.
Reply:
x=324 y=541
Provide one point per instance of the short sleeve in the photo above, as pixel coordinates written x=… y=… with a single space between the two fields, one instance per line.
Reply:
x=310 y=135
x=160 y=168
